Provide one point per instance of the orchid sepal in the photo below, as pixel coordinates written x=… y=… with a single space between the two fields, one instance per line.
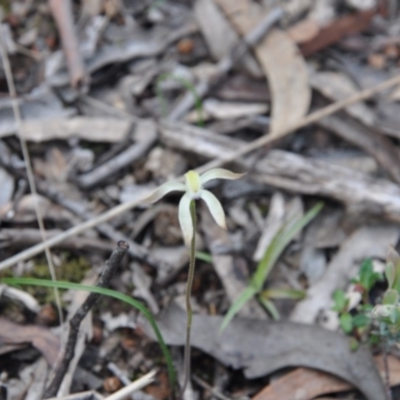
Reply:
x=164 y=189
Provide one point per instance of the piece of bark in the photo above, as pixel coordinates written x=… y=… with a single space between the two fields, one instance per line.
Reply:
x=358 y=191
x=92 y=129
x=41 y=338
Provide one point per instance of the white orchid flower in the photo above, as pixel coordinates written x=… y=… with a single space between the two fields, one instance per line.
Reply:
x=194 y=190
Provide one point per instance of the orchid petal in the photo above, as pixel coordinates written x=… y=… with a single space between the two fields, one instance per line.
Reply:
x=164 y=189
x=218 y=173
x=185 y=218
x=215 y=208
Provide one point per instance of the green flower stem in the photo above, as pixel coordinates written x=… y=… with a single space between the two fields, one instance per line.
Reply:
x=189 y=311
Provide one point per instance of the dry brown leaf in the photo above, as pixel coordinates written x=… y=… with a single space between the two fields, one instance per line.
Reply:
x=304 y=31
x=287 y=76
x=337 y=30
x=302 y=384
x=41 y=338
x=306 y=384
x=281 y=62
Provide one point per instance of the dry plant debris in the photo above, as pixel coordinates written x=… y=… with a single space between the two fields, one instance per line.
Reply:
x=116 y=97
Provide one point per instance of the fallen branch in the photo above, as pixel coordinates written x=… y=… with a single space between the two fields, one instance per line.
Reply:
x=110 y=268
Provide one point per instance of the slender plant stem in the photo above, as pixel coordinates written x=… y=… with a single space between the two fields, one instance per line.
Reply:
x=189 y=311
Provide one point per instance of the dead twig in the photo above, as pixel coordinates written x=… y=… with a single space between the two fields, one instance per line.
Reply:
x=110 y=268
x=125 y=380
x=134 y=386
x=62 y=13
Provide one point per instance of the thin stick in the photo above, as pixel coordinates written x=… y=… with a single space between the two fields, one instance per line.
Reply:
x=271 y=137
x=110 y=268
x=29 y=172
x=134 y=386
x=208 y=387
x=189 y=311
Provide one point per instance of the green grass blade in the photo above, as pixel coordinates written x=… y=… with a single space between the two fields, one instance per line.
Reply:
x=279 y=243
x=189 y=86
x=110 y=293
x=273 y=252
x=243 y=298
x=270 y=307
x=291 y=294
x=203 y=256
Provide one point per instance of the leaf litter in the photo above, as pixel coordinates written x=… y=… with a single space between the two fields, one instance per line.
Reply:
x=104 y=126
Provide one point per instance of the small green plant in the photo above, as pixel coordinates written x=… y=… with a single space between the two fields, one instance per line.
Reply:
x=194 y=190
x=264 y=267
x=355 y=321
x=377 y=324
